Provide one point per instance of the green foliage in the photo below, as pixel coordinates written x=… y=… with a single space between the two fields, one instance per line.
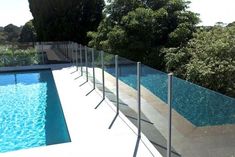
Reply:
x=28 y=33
x=163 y=34
x=2 y=37
x=99 y=38
x=9 y=33
x=119 y=8
x=208 y=59
x=60 y=20
x=12 y=56
x=140 y=29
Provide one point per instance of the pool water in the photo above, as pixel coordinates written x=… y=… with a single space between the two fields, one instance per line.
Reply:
x=200 y=106
x=30 y=111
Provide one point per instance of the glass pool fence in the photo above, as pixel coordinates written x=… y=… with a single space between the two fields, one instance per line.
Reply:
x=179 y=118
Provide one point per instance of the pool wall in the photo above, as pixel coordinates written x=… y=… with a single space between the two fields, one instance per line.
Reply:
x=56 y=130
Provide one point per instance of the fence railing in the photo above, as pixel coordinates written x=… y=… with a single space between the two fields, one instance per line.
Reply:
x=15 y=57
x=178 y=117
x=188 y=118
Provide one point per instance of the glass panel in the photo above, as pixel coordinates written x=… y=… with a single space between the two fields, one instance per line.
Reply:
x=15 y=56
x=75 y=55
x=109 y=61
x=89 y=61
x=83 y=59
x=154 y=95
x=155 y=81
x=128 y=72
x=203 y=121
x=98 y=68
x=97 y=58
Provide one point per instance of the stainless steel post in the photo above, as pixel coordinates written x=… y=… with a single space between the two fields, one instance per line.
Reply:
x=93 y=67
x=117 y=85
x=43 y=61
x=102 y=63
x=40 y=51
x=76 y=56
x=170 y=114
x=139 y=97
x=81 y=60
x=86 y=64
x=72 y=52
x=67 y=52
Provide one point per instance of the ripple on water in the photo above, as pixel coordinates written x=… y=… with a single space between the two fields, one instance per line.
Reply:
x=22 y=116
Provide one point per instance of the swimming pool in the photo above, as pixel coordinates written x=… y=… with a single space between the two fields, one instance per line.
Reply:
x=200 y=106
x=30 y=111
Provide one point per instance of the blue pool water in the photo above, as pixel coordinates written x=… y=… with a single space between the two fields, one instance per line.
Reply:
x=30 y=111
x=200 y=106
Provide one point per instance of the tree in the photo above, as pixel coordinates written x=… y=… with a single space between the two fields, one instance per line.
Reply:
x=12 y=33
x=28 y=33
x=140 y=29
x=208 y=59
x=66 y=20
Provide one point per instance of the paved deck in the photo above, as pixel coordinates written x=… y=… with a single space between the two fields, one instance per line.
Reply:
x=88 y=127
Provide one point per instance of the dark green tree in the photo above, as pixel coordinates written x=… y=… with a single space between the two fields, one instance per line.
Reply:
x=140 y=29
x=28 y=33
x=66 y=20
x=12 y=33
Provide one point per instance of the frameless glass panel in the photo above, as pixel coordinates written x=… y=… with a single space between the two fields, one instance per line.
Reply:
x=14 y=56
x=203 y=121
x=109 y=60
x=128 y=72
x=154 y=94
x=89 y=61
x=97 y=58
x=155 y=81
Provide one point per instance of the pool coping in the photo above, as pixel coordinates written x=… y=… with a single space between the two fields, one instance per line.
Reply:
x=32 y=67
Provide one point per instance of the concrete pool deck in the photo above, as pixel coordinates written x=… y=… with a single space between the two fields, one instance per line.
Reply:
x=88 y=128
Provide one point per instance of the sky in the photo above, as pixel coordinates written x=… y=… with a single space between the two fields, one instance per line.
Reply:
x=211 y=11
x=14 y=12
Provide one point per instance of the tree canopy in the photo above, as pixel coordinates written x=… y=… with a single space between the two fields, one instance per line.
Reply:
x=9 y=33
x=12 y=32
x=140 y=29
x=208 y=59
x=58 y=20
x=28 y=33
